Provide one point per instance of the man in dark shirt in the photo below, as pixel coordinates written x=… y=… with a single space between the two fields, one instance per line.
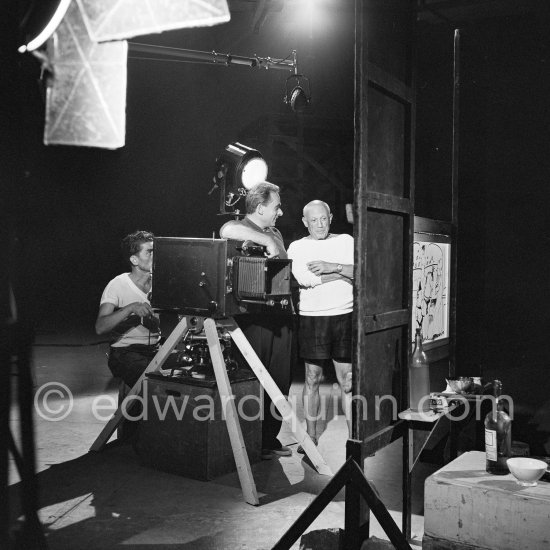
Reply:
x=263 y=207
x=269 y=332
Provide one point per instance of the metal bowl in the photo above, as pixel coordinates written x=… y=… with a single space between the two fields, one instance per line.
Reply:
x=461 y=384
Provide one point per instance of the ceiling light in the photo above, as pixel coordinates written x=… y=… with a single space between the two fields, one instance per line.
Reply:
x=298 y=92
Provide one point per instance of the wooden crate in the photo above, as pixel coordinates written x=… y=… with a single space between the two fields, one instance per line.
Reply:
x=467 y=508
x=183 y=431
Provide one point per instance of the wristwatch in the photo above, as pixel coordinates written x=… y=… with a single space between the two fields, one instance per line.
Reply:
x=339 y=268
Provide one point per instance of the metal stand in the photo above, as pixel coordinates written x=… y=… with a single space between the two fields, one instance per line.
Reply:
x=16 y=346
x=430 y=425
x=234 y=429
x=359 y=489
x=351 y=477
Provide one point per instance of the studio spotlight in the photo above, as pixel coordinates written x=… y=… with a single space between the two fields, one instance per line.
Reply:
x=238 y=169
x=40 y=22
x=298 y=92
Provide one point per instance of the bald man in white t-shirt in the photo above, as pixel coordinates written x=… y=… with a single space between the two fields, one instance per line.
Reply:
x=322 y=263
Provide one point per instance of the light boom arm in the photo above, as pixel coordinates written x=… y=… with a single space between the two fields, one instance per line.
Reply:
x=288 y=64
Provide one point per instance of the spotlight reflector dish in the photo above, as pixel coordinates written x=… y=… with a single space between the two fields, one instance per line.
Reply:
x=253 y=172
x=298 y=100
x=238 y=169
x=298 y=92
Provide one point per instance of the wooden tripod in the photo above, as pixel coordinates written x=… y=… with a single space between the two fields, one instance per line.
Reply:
x=211 y=327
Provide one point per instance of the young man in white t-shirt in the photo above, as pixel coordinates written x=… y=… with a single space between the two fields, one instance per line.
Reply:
x=125 y=311
x=322 y=263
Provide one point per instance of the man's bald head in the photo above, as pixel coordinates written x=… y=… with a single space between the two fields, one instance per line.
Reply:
x=315 y=203
x=317 y=219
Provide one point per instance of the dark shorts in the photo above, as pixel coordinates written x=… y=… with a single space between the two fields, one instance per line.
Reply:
x=327 y=337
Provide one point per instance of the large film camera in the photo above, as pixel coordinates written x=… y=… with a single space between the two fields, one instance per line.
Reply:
x=216 y=277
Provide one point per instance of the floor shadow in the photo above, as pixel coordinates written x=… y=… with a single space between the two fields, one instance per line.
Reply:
x=102 y=500
x=87 y=474
x=312 y=483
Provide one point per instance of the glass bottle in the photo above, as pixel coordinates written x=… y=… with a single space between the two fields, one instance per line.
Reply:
x=419 y=377
x=498 y=434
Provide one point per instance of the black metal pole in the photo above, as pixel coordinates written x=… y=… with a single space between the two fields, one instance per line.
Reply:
x=352 y=518
x=406 y=483
x=5 y=384
x=454 y=204
x=31 y=534
x=214 y=58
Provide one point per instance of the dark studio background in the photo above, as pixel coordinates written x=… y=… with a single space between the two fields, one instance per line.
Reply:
x=70 y=206
x=76 y=203
x=504 y=230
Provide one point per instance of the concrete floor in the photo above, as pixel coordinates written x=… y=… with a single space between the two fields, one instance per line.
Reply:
x=108 y=500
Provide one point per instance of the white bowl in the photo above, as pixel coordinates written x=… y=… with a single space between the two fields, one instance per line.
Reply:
x=527 y=471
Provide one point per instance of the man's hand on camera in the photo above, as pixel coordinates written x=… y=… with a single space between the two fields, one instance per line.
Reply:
x=151 y=323
x=141 y=309
x=146 y=315
x=271 y=249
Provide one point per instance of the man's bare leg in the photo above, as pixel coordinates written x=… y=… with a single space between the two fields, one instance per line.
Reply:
x=343 y=375
x=311 y=397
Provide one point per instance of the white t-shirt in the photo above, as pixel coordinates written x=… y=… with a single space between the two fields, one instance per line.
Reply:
x=120 y=292
x=316 y=298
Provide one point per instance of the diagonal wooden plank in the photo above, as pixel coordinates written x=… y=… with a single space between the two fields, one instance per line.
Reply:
x=229 y=411
x=389 y=83
x=283 y=406
x=156 y=363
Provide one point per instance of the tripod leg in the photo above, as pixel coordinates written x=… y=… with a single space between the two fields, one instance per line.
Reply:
x=156 y=363
x=230 y=412
x=283 y=406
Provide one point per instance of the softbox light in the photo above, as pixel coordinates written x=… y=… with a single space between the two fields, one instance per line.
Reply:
x=86 y=102
x=123 y=19
x=238 y=169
